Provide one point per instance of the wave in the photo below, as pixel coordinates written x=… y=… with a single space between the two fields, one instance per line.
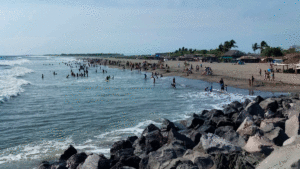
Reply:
x=11 y=86
x=14 y=62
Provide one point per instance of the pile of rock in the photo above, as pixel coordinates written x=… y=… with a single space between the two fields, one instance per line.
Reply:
x=262 y=133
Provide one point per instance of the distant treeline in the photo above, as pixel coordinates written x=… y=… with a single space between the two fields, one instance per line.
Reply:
x=89 y=54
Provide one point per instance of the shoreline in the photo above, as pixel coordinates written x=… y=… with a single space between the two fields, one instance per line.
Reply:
x=234 y=78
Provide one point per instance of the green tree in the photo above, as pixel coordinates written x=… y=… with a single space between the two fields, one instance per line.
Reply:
x=221 y=47
x=183 y=49
x=269 y=51
x=227 y=46
x=255 y=47
x=179 y=49
x=232 y=42
x=263 y=45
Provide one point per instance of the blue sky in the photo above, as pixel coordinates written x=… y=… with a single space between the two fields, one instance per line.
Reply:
x=143 y=26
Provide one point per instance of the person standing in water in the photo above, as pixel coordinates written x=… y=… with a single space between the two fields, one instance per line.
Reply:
x=145 y=76
x=174 y=80
x=222 y=84
x=42 y=76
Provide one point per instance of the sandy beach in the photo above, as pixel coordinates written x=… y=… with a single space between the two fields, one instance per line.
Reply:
x=233 y=75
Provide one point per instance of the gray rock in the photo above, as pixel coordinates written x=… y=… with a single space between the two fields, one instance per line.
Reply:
x=149 y=128
x=269 y=114
x=277 y=135
x=213 y=144
x=123 y=144
x=44 y=165
x=167 y=125
x=269 y=104
x=75 y=160
x=258 y=99
x=292 y=127
x=68 y=153
x=131 y=139
x=175 y=136
x=282 y=157
x=95 y=162
x=228 y=133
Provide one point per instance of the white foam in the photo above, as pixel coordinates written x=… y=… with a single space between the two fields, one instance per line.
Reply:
x=9 y=84
x=41 y=150
x=14 y=62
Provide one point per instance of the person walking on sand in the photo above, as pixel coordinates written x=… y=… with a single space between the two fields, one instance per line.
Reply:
x=265 y=75
x=178 y=65
x=252 y=80
x=249 y=82
x=273 y=75
x=259 y=72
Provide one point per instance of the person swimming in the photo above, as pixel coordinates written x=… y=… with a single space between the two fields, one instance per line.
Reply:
x=206 y=89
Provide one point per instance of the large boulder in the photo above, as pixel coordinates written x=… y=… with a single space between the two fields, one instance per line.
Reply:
x=95 y=162
x=269 y=104
x=179 y=163
x=154 y=140
x=75 y=160
x=259 y=144
x=269 y=124
x=192 y=122
x=292 y=126
x=292 y=140
x=123 y=144
x=258 y=99
x=246 y=102
x=68 y=153
x=139 y=146
x=247 y=128
x=168 y=125
x=236 y=105
x=282 y=157
x=149 y=128
x=203 y=161
x=236 y=160
x=122 y=153
x=44 y=165
x=175 y=136
x=162 y=155
x=269 y=114
x=221 y=121
x=277 y=135
x=131 y=139
x=212 y=113
x=228 y=133
x=254 y=108
x=206 y=128
x=213 y=144
x=229 y=111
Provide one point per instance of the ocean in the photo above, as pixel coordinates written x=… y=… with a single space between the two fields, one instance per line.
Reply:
x=40 y=118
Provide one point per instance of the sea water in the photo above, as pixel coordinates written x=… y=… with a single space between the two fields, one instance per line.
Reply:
x=40 y=118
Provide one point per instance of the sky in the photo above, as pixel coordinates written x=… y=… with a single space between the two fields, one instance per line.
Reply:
x=31 y=27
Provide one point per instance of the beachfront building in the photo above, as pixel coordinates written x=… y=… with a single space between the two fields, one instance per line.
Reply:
x=296 y=47
x=209 y=58
x=249 y=59
x=232 y=55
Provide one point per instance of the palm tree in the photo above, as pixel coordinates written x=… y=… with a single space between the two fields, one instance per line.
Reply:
x=221 y=47
x=227 y=46
x=232 y=42
x=263 y=45
x=255 y=47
